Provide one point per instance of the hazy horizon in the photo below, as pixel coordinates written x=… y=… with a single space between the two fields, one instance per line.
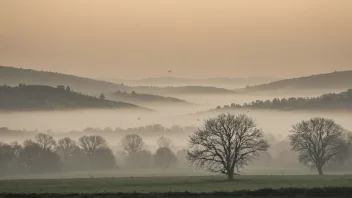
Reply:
x=137 y=39
x=170 y=76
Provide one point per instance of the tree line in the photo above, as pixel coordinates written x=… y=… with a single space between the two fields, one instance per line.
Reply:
x=341 y=101
x=45 y=154
x=152 y=129
x=225 y=144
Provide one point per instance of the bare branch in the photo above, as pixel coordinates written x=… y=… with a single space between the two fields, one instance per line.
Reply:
x=226 y=142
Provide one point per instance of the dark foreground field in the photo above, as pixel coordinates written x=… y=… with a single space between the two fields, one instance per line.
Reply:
x=168 y=186
x=282 y=192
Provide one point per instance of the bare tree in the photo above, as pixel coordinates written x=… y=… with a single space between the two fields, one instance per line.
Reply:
x=46 y=141
x=67 y=146
x=90 y=144
x=132 y=143
x=227 y=142
x=318 y=142
x=164 y=142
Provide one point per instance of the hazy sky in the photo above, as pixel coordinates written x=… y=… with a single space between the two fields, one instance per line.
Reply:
x=194 y=38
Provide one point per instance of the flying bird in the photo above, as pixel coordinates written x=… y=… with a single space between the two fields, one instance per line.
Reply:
x=169 y=71
x=139 y=118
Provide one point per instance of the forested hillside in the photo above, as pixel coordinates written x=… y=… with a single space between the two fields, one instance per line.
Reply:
x=335 y=80
x=139 y=98
x=340 y=101
x=38 y=97
x=13 y=76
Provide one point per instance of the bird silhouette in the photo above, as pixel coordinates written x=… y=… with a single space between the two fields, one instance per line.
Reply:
x=170 y=71
x=139 y=118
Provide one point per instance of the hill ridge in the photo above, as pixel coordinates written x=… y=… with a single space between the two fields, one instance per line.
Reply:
x=14 y=76
x=332 y=80
x=43 y=97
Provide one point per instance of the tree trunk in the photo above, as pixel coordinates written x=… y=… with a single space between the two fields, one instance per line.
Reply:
x=230 y=175
x=320 y=170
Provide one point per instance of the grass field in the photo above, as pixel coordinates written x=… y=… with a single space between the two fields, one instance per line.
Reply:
x=170 y=184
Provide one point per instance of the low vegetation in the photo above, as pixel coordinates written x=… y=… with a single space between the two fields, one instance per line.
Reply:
x=203 y=184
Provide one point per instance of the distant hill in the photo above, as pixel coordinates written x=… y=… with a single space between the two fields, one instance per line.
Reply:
x=335 y=80
x=181 y=90
x=35 y=97
x=217 y=82
x=332 y=101
x=138 y=98
x=13 y=76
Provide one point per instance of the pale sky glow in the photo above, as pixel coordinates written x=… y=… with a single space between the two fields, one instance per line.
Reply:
x=194 y=38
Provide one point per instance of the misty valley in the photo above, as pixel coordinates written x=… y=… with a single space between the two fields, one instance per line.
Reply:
x=176 y=98
x=62 y=131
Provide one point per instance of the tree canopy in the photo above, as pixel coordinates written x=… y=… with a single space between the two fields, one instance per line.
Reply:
x=319 y=141
x=225 y=143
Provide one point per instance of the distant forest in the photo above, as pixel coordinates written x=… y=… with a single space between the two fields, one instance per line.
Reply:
x=89 y=150
x=135 y=97
x=44 y=154
x=340 y=101
x=154 y=129
x=334 y=80
x=37 y=97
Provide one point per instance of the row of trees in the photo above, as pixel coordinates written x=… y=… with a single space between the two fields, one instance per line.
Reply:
x=44 y=154
x=342 y=100
x=229 y=142
x=224 y=145
x=148 y=130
